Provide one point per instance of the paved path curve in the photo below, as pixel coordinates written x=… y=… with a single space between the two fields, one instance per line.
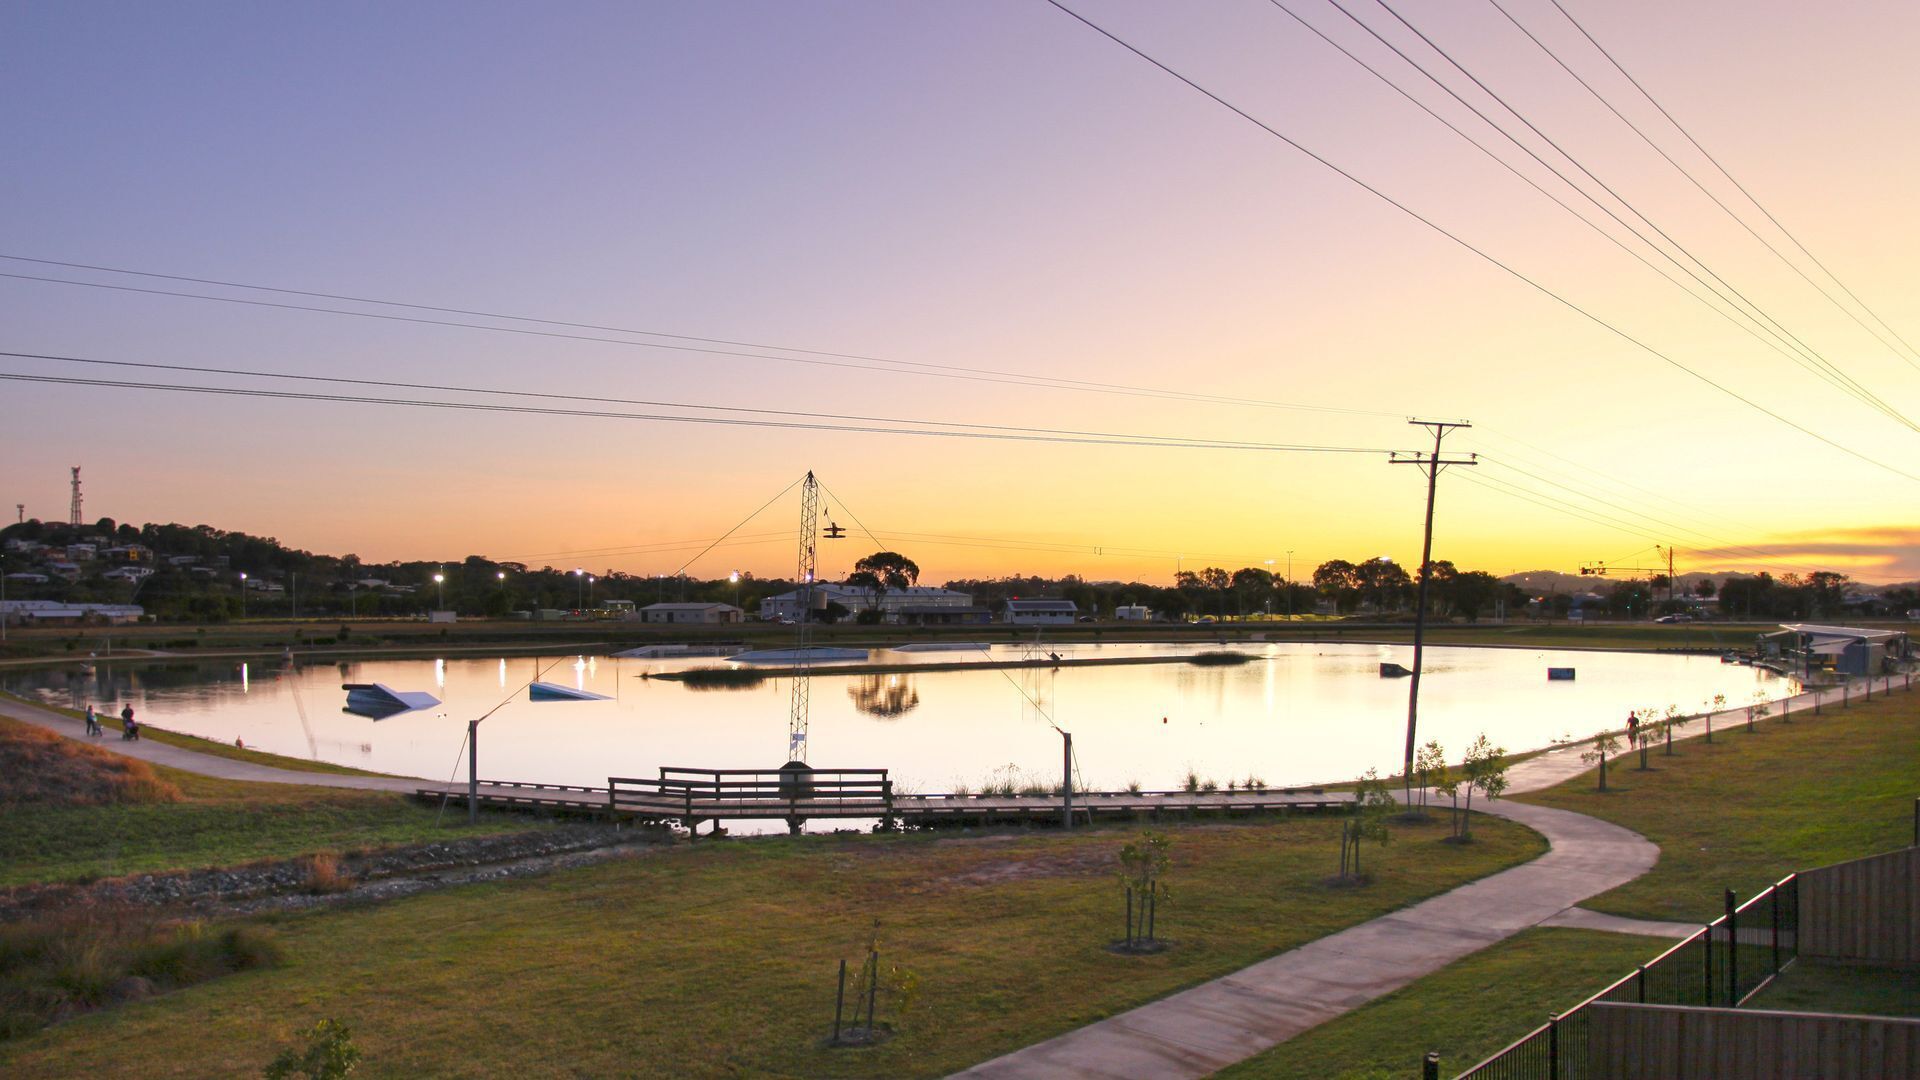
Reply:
x=1198 y=1031
x=1206 y=1028
x=193 y=761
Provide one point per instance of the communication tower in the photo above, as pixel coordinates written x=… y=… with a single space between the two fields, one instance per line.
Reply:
x=73 y=514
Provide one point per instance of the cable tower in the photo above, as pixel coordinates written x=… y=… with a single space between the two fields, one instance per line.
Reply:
x=803 y=625
x=73 y=514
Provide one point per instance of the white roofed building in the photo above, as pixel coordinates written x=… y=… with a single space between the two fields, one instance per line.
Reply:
x=1040 y=612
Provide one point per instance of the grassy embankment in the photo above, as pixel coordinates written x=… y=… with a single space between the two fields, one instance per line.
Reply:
x=165 y=819
x=1748 y=809
x=1742 y=812
x=196 y=743
x=719 y=959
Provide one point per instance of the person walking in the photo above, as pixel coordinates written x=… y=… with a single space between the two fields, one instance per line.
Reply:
x=129 y=729
x=1633 y=729
x=93 y=721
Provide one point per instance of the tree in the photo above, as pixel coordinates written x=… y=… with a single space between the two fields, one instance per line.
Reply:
x=1428 y=765
x=1486 y=769
x=1383 y=582
x=1372 y=805
x=1339 y=581
x=1448 y=784
x=1604 y=744
x=884 y=570
x=1473 y=590
x=1252 y=588
x=1144 y=864
x=1218 y=581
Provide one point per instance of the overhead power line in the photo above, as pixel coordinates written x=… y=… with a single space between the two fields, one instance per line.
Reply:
x=1757 y=330
x=1808 y=358
x=1483 y=254
x=702 y=345
x=1033 y=435
x=1757 y=204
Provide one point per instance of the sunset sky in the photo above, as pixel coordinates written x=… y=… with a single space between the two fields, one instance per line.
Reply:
x=969 y=187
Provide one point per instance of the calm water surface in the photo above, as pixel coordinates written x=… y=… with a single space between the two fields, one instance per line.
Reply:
x=1296 y=714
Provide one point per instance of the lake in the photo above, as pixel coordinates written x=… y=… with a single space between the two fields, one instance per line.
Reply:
x=1295 y=714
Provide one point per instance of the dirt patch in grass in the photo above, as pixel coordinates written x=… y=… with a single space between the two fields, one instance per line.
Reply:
x=38 y=767
x=1051 y=865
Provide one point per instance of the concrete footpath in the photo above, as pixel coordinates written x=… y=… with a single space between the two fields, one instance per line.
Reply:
x=1204 y=1029
x=1199 y=1031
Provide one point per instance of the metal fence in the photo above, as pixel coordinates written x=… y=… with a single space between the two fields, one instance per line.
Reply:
x=1723 y=964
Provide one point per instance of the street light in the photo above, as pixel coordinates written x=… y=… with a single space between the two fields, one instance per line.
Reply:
x=440 y=584
x=580 y=591
x=243 y=594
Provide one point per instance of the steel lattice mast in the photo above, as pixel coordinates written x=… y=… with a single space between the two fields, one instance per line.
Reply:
x=803 y=625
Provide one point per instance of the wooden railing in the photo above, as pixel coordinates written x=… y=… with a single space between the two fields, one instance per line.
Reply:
x=707 y=794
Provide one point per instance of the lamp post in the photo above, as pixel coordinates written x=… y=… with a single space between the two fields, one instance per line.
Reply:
x=440 y=584
x=580 y=588
x=501 y=575
x=243 y=594
x=589 y=591
x=1289 y=583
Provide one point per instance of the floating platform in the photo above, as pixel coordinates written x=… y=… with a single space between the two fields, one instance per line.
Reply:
x=541 y=691
x=668 y=652
x=379 y=701
x=812 y=655
x=943 y=646
x=1389 y=670
x=1559 y=674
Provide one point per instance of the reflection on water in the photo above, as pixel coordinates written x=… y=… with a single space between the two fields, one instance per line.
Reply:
x=1297 y=714
x=885 y=696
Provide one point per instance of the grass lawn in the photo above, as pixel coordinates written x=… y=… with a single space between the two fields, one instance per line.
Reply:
x=1750 y=809
x=1465 y=1011
x=1811 y=986
x=719 y=959
x=215 y=823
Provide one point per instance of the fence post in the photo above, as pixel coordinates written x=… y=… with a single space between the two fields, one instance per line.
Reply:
x=1916 y=823
x=1706 y=968
x=1642 y=981
x=839 y=1000
x=1733 y=952
x=1430 y=1066
x=1844 y=688
x=1553 y=1048
x=1774 y=907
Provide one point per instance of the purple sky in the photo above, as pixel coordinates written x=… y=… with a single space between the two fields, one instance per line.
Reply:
x=983 y=185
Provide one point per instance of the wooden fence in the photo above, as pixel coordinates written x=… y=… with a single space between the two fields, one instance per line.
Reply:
x=1664 y=1042
x=1866 y=909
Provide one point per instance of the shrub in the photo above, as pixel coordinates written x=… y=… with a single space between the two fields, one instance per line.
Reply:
x=324 y=874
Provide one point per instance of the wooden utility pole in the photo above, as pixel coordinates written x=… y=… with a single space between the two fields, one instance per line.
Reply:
x=1431 y=465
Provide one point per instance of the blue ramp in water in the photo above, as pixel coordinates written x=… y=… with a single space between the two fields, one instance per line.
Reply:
x=380 y=701
x=541 y=691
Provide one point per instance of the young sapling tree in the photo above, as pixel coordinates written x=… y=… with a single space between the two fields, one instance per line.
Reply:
x=1604 y=745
